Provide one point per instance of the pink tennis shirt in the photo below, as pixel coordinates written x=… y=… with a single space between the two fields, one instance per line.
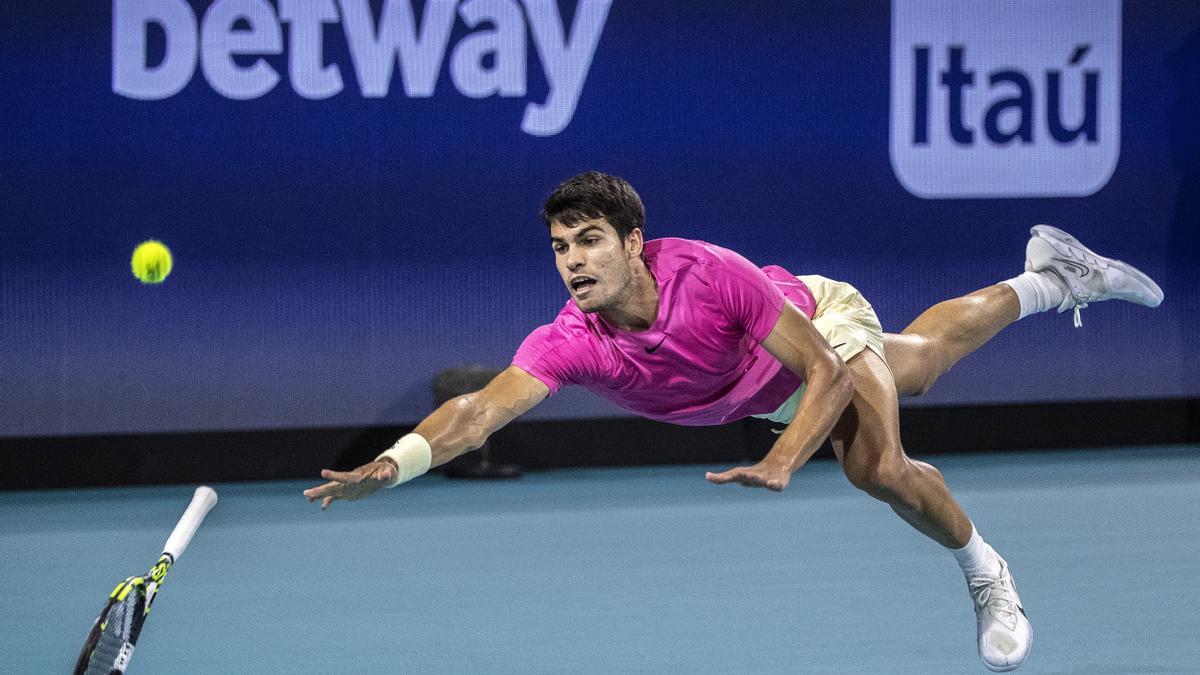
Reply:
x=701 y=362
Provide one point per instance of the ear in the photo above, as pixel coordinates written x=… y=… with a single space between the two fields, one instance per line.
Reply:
x=634 y=242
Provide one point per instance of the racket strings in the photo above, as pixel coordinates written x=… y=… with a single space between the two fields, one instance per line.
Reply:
x=118 y=633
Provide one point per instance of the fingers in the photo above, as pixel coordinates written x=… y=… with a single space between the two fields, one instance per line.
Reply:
x=723 y=477
x=749 y=477
x=315 y=493
x=739 y=474
x=327 y=493
x=342 y=476
x=337 y=482
x=342 y=485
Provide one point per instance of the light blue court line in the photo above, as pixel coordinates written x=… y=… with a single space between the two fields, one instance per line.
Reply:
x=648 y=570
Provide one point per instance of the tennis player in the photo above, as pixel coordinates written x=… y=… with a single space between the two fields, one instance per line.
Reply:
x=690 y=333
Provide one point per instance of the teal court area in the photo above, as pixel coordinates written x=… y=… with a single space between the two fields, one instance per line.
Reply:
x=621 y=571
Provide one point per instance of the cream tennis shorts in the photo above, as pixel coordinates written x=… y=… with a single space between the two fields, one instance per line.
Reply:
x=847 y=322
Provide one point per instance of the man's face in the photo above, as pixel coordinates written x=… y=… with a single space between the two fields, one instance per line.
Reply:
x=594 y=263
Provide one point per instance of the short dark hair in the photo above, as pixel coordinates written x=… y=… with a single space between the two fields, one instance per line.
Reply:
x=596 y=195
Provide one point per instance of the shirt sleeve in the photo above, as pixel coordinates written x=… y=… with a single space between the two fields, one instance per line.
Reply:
x=752 y=300
x=547 y=355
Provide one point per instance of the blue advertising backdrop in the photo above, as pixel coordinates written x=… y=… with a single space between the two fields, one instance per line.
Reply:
x=350 y=217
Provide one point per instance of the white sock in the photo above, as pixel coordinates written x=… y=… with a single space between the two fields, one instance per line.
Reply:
x=977 y=557
x=1038 y=291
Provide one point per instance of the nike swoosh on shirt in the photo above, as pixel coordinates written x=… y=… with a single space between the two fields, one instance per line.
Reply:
x=651 y=350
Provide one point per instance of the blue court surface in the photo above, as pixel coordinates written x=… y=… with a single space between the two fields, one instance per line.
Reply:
x=648 y=570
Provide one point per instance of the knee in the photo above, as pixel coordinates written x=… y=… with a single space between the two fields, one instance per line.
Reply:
x=885 y=478
x=921 y=364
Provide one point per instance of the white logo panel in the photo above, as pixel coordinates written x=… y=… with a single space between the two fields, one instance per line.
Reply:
x=1005 y=99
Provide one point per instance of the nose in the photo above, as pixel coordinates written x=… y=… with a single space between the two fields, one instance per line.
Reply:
x=574 y=259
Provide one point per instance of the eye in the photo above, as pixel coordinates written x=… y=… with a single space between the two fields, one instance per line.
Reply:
x=559 y=248
x=591 y=240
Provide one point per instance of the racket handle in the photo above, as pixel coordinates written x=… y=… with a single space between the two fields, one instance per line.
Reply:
x=202 y=502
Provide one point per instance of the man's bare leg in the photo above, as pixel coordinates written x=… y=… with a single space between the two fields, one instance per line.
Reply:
x=945 y=333
x=867 y=442
x=1061 y=273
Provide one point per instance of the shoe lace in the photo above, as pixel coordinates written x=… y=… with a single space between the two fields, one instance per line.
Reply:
x=996 y=595
x=1087 y=257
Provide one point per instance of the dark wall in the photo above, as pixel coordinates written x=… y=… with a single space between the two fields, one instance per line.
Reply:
x=129 y=459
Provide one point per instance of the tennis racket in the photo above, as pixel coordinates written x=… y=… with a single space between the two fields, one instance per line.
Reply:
x=110 y=642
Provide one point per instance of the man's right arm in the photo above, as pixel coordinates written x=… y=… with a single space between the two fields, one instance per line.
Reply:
x=464 y=422
x=460 y=425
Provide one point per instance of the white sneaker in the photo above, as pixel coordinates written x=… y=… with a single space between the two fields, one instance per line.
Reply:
x=1091 y=277
x=1005 y=635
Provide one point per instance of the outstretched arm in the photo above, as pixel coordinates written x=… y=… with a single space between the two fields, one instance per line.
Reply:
x=461 y=424
x=802 y=349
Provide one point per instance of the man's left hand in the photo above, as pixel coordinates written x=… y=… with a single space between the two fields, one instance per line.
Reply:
x=769 y=475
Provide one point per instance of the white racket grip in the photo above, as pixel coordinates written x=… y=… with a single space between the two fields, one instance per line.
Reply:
x=202 y=502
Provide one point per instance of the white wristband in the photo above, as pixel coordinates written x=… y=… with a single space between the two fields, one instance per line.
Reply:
x=412 y=454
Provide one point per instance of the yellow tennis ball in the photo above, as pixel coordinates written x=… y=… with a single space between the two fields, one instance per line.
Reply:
x=151 y=262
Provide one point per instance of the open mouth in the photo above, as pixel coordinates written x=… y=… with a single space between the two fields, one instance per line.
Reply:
x=582 y=285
